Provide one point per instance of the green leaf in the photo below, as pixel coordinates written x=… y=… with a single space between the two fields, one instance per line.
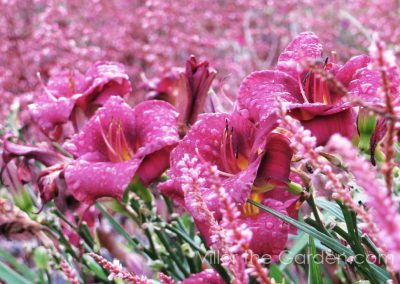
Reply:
x=143 y=192
x=298 y=246
x=328 y=241
x=276 y=274
x=9 y=276
x=17 y=265
x=41 y=257
x=382 y=274
x=330 y=207
x=94 y=268
x=314 y=272
x=116 y=225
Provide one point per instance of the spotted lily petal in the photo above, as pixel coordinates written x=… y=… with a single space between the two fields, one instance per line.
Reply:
x=90 y=181
x=346 y=73
x=258 y=93
x=103 y=80
x=305 y=46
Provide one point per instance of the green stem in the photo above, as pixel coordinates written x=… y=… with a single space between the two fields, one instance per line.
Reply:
x=311 y=203
x=167 y=246
x=355 y=243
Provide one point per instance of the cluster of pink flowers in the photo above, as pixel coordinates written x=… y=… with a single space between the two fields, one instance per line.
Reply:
x=151 y=37
x=98 y=141
x=228 y=236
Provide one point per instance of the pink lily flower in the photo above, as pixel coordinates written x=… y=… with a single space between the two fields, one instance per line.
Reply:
x=367 y=85
x=252 y=164
x=47 y=180
x=117 y=144
x=207 y=276
x=71 y=96
x=310 y=99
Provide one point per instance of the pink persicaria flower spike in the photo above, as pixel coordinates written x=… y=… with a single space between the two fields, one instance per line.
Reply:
x=315 y=103
x=118 y=143
x=71 y=96
x=252 y=164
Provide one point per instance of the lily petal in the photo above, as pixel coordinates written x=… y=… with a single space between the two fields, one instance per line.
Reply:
x=104 y=79
x=324 y=126
x=346 y=73
x=305 y=45
x=90 y=181
x=155 y=125
x=90 y=138
x=258 y=93
x=275 y=166
x=47 y=157
x=56 y=105
x=51 y=115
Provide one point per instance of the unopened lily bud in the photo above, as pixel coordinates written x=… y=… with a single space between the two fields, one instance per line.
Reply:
x=294 y=188
x=41 y=257
x=187 y=250
x=366 y=124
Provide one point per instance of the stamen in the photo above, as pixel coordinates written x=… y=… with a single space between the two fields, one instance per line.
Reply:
x=223 y=150
x=326 y=61
x=232 y=153
x=315 y=90
x=301 y=88
x=117 y=146
x=249 y=210
x=126 y=145
x=333 y=56
x=46 y=90
x=222 y=173
x=71 y=81
x=105 y=139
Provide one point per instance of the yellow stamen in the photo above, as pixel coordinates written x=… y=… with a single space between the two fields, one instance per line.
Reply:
x=249 y=210
x=242 y=162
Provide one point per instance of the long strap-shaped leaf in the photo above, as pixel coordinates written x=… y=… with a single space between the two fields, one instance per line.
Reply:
x=10 y=276
x=314 y=273
x=381 y=274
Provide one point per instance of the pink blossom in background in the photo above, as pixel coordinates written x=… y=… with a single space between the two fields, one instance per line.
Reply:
x=151 y=36
x=139 y=136
x=71 y=96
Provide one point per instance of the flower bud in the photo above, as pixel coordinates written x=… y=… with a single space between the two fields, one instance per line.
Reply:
x=366 y=124
x=41 y=257
x=187 y=250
